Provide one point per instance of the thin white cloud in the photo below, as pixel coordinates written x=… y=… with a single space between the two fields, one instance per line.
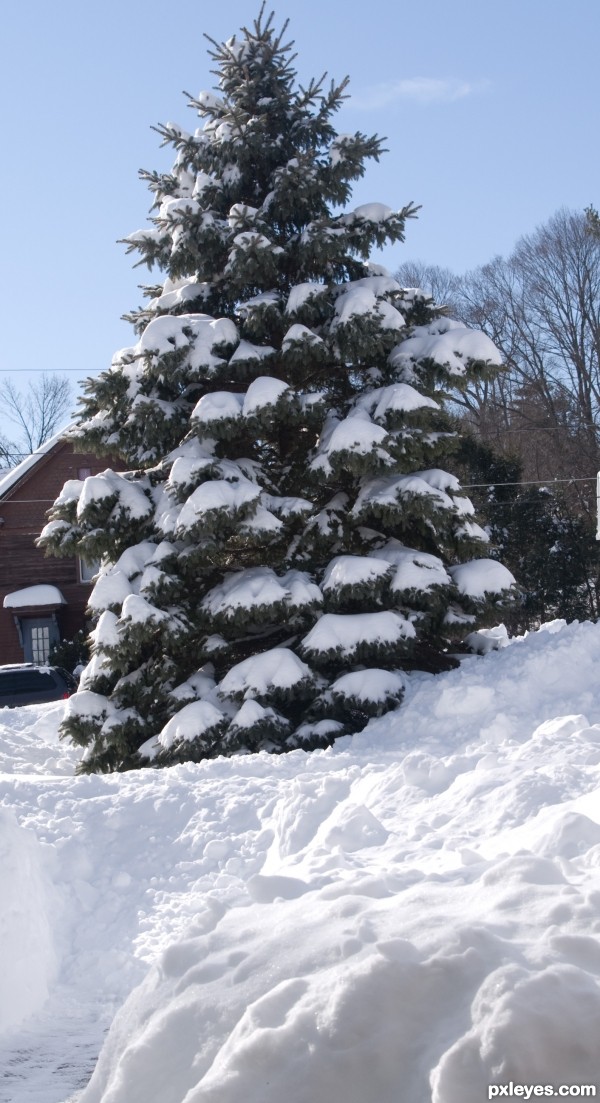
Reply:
x=423 y=90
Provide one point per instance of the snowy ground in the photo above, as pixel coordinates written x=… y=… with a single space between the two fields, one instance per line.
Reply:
x=412 y=915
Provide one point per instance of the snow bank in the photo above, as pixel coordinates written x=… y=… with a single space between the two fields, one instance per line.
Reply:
x=29 y=742
x=410 y=915
x=26 y=937
x=418 y=923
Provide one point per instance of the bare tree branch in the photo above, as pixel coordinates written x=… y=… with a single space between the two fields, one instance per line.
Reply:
x=444 y=286
x=38 y=412
x=541 y=307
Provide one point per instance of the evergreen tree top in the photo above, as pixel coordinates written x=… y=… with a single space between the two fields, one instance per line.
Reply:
x=266 y=163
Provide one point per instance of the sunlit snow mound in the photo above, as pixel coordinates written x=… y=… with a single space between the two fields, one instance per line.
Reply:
x=27 y=950
x=29 y=741
x=412 y=915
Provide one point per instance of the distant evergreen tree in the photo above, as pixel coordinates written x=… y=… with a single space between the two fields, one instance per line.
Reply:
x=73 y=654
x=547 y=544
x=283 y=541
x=593 y=220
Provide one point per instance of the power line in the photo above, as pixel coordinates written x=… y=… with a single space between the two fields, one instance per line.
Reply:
x=546 y=429
x=463 y=486
x=40 y=371
x=533 y=482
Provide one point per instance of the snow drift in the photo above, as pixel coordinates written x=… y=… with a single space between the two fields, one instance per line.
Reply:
x=410 y=915
x=26 y=935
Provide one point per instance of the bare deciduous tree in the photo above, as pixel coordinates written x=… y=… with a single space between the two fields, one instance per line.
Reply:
x=540 y=418
x=541 y=307
x=38 y=413
x=442 y=284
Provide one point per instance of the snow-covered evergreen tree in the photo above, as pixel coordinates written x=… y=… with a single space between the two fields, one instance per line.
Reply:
x=284 y=539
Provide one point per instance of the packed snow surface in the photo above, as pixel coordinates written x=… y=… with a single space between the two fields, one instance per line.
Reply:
x=411 y=915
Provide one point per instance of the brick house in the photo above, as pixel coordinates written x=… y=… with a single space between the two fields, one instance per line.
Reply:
x=42 y=600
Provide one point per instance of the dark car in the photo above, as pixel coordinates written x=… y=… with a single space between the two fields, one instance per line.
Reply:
x=31 y=684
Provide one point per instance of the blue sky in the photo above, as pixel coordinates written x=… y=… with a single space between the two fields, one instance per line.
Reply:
x=490 y=111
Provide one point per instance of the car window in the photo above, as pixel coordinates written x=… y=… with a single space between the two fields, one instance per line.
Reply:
x=25 y=681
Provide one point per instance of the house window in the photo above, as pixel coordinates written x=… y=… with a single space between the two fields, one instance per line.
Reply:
x=88 y=571
x=84 y=473
x=40 y=643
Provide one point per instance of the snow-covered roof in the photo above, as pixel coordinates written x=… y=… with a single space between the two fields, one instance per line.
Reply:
x=15 y=474
x=33 y=596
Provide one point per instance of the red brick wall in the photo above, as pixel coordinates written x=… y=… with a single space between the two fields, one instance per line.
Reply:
x=24 y=512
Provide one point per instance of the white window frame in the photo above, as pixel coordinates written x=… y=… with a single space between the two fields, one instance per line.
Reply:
x=87 y=571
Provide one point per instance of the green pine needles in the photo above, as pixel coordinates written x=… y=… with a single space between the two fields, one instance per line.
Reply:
x=281 y=539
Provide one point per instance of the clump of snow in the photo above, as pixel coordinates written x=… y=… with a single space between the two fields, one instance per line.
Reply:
x=111 y=589
x=389 y=490
x=95 y=487
x=278 y=668
x=247 y=351
x=138 y=610
x=217 y=406
x=263 y=522
x=398 y=397
x=258 y=587
x=352 y=570
x=251 y=239
x=176 y=292
x=360 y=298
x=88 y=703
x=171 y=208
x=299 y=333
x=336 y=149
x=345 y=634
x=447 y=343
x=370 y=212
x=70 y=492
x=217 y=494
x=105 y=633
x=485 y=640
x=191 y=722
x=261 y=301
x=415 y=570
x=241 y=213
x=209 y=102
x=356 y=435
x=252 y=713
x=480 y=577
x=264 y=391
x=369 y=685
x=118 y=580
x=442 y=480
x=198 y=332
x=110 y=484
x=301 y=294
